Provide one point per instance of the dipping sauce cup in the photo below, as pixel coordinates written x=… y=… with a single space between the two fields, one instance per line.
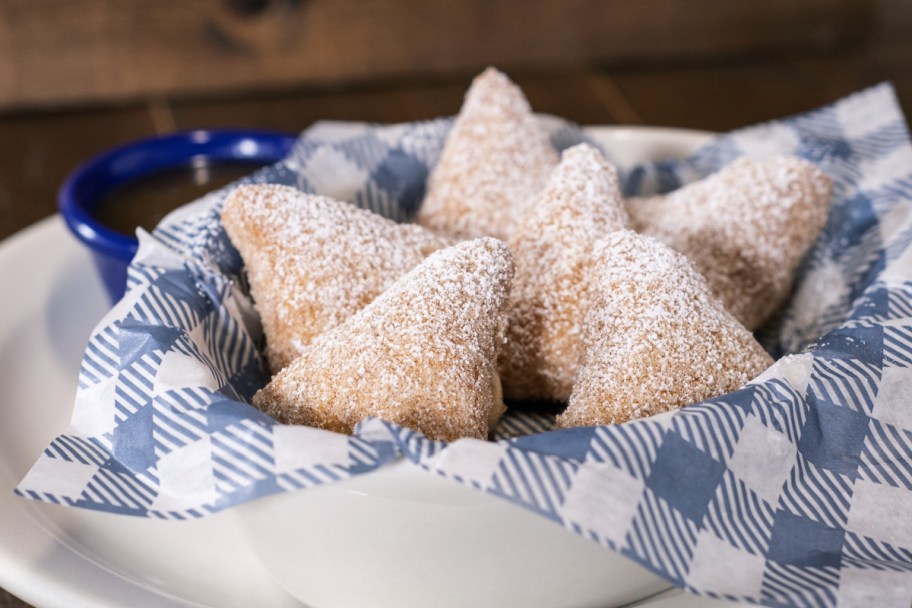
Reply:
x=134 y=185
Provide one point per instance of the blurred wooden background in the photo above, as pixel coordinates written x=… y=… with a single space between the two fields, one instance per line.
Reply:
x=79 y=76
x=79 y=51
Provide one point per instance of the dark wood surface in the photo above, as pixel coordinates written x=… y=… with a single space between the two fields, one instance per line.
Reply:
x=116 y=50
x=38 y=149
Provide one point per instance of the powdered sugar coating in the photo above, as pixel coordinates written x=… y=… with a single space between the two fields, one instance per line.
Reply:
x=745 y=228
x=313 y=262
x=421 y=355
x=495 y=161
x=553 y=250
x=655 y=338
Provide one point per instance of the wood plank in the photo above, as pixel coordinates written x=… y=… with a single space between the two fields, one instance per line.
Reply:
x=725 y=96
x=719 y=98
x=562 y=94
x=10 y=601
x=40 y=149
x=722 y=95
x=53 y=52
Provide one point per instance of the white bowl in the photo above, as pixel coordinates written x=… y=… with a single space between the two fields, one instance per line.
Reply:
x=403 y=537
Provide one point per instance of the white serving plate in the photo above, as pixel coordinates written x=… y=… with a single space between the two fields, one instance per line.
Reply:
x=56 y=556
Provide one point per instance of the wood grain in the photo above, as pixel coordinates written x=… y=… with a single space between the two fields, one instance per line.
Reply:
x=39 y=149
x=90 y=50
x=564 y=93
x=10 y=601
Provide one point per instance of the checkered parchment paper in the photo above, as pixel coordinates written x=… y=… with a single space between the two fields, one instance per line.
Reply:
x=793 y=491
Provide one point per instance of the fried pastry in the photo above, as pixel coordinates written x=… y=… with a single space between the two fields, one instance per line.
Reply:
x=655 y=337
x=745 y=228
x=495 y=161
x=312 y=262
x=552 y=247
x=422 y=354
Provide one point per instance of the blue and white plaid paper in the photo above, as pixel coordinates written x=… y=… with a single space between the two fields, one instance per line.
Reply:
x=794 y=491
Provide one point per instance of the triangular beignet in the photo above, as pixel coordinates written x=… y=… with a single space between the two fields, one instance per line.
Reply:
x=495 y=161
x=421 y=355
x=655 y=337
x=745 y=228
x=553 y=251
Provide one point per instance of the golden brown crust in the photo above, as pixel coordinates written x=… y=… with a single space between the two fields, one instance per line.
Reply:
x=495 y=161
x=313 y=262
x=421 y=355
x=745 y=228
x=553 y=250
x=655 y=337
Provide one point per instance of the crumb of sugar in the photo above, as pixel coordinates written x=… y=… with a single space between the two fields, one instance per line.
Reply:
x=580 y=204
x=313 y=261
x=421 y=355
x=745 y=228
x=494 y=162
x=655 y=338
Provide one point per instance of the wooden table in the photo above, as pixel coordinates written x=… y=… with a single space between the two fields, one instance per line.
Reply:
x=38 y=149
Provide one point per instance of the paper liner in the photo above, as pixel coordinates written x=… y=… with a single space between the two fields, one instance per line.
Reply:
x=795 y=490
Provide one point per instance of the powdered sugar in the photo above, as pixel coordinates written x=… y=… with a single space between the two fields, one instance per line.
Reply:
x=655 y=338
x=421 y=355
x=495 y=161
x=553 y=247
x=745 y=228
x=313 y=262
x=630 y=322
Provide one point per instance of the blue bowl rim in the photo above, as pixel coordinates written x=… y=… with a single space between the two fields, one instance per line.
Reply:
x=171 y=150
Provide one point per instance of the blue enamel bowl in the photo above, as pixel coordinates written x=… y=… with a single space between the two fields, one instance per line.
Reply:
x=87 y=185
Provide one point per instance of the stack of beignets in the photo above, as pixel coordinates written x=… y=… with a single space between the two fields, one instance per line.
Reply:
x=364 y=317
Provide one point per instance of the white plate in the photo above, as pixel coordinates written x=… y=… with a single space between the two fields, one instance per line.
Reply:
x=56 y=556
